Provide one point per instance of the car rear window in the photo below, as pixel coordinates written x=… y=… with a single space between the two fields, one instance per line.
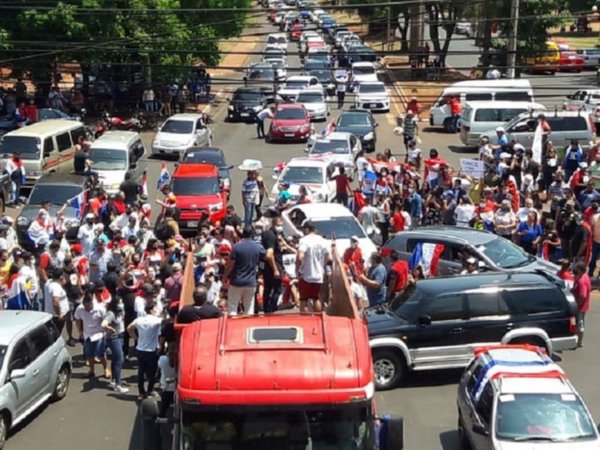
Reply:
x=535 y=301
x=497 y=114
x=518 y=96
x=575 y=123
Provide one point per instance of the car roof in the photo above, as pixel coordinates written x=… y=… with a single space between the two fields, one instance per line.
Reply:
x=253 y=89
x=534 y=385
x=195 y=170
x=46 y=128
x=61 y=178
x=299 y=78
x=464 y=235
x=13 y=323
x=324 y=210
x=496 y=104
x=371 y=83
x=290 y=106
x=336 y=135
x=362 y=64
x=303 y=161
x=185 y=116
x=442 y=285
x=117 y=140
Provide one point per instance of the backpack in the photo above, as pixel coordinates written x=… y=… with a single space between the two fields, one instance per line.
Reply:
x=162 y=231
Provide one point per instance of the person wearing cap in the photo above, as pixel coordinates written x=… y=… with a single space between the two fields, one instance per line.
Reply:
x=311 y=260
x=505 y=220
x=241 y=272
x=174 y=283
x=573 y=157
x=580 y=243
x=353 y=256
x=411 y=128
x=471 y=266
x=98 y=260
x=448 y=211
x=501 y=141
x=250 y=196
x=86 y=235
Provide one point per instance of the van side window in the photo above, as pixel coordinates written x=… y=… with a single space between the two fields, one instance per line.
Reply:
x=77 y=133
x=20 y=357
x=48 y=147
x=63 y=141
x=477 y=96
x=535 y=301
x=40 y=341
x=575 y=123
x=486 y=304
x=445 y=307
x=136 y=152
x=515 y=96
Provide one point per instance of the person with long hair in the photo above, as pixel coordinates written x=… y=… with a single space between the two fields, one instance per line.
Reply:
x=114 y=325
x=167 y=365
x=153 y=255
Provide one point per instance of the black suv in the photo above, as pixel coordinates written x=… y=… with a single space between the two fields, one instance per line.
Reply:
x=247 y=102
x=439 y=323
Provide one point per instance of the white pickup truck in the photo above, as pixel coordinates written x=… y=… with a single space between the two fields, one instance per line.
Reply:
x=589 y=99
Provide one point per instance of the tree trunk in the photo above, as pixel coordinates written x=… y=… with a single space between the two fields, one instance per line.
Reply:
x=487 y=36
x=434 y=34
x=404 y=34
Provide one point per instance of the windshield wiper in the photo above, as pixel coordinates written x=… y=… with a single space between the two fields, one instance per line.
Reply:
x=535 y=438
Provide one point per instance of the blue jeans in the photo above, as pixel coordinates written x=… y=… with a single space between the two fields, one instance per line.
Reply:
x=115 y=344
x=149 y=106
x=249 y=213
x=594 y=258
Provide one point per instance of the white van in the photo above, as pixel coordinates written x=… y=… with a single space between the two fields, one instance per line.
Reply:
x=180 y=132
x=479 y=117
x=478 y=90
x=45 y=146
x=114 y=154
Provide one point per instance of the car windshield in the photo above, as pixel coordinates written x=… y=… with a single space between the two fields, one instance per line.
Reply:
x=57 y=194
x=300 y=175
x=178 y=127
x=346 y=426
x=28 y=147
x=276 y=40
x=353 y=120
x=371 y=89
x=108 y=159
x=340 y=227
x=205 y=157
x=249 y=97
x=504 y=253
x=310 y=97
x=337 y=146
x=322 y=75
x=267 y=74
x=290 y=114
x=542 y=417
x=407 y=305
x=195 y=186
x=295 y=84
x=363 y=70
x=315 y=64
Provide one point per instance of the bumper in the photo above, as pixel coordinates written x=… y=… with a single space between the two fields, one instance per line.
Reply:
x=564 y=343
x=189 y=221
x=369 y=145
x=317 y=115
x=373 y=105
x=289 y=135
x=245 y=116
x=469 y=139
x=163 y=150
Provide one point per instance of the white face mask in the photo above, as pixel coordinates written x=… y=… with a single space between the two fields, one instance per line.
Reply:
x=279 y=228
x=353 y=244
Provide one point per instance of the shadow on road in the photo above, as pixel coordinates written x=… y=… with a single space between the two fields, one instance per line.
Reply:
x=432 y=378
x=459 y=149
x=450 y=440
x=134 y=440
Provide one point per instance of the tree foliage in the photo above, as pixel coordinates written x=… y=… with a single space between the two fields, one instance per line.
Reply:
x=155 y=34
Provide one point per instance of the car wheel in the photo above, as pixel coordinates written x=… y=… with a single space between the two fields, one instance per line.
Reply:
x=531 y=340
x=462 y=435
x=388 y=368
x=3 y=429
x=62 y=383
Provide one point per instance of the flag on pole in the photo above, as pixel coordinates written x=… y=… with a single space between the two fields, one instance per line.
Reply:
x=427 y=256
x=78 y=203
x=144 y=184
x=164 y=176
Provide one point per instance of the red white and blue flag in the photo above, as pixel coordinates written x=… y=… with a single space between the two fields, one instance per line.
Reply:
x=164 y=177
x=78 y=203
x=427 y=256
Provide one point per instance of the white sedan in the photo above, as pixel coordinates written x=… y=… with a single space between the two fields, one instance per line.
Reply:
x=315 y=102
x=337 y=148
x=372 y=95
x=308 y=172
x=332 y=221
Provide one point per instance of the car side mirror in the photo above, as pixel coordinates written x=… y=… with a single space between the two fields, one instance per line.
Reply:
x=479 y=429
x=17 y=373
x=425 y=319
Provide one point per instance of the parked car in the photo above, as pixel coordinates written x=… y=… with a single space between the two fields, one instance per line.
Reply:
x=332 y=221
x=290 y=122
x=35 y=366
x=180 y=132
x=464 y=28
x=309 y=172
x=493 y=252
x=570 y=61
x=359 y=122
x=58 y=189
x=516 y=397
x=214 y=156
x=591 y=57
x=372 y=95
x=437 y=324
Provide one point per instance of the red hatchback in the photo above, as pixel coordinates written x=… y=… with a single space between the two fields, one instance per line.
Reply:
x=199 y=194
x=290 y=123
x=570 y=61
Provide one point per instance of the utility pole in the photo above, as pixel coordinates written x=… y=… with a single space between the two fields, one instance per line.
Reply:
x=389 y=26
x=511 y=58
x=416 y=27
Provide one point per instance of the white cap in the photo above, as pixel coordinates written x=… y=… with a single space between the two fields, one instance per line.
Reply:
x=500 y=130
x=89 y=216
x=583 y=165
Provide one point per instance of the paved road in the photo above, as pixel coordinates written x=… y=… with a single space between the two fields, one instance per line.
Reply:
x=92 y=418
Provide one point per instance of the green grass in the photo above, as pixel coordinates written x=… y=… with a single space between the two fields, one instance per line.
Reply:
x=581 y=42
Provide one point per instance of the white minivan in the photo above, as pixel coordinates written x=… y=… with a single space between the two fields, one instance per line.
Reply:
x=114 y=154
x=478 y=90
x=479 y=117
x=180 y=132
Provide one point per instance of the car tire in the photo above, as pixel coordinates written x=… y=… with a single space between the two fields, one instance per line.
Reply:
x=61 y=386
x=4 y=424
x=463 y=440
x=531 y=340
x=389 y=369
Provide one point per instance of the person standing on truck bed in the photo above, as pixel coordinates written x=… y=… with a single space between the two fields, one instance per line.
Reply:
x=200 y=309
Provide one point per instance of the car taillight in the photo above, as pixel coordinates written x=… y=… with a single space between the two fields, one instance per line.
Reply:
x=572 y=325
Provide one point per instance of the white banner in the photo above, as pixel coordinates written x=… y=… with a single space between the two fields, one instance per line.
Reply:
x=536 y=147
x=472 y=167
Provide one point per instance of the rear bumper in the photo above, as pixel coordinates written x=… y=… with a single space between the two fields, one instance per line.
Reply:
x=374 y=105
x=289 y=135
x=564 y=343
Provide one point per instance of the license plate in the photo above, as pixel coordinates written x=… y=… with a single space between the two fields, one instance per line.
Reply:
x=289 y=134
x=192 y=224
x=244 y=114
x=372 y=105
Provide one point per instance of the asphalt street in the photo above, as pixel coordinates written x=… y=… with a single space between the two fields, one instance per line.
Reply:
x=93 y=418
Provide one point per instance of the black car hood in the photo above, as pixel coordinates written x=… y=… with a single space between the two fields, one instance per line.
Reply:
x=241 y=104
x=381 y=320
x=31 y=212
x=357 y=131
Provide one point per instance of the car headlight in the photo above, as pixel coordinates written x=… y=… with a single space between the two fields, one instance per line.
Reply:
x=215 y=207
x=115 y=186
x=230 y=108
x=369 y=136
x=22 y=221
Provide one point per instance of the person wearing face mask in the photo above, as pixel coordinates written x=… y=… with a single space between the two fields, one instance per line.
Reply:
x=86 y=234
x=353 y=256
x=114 y=326
x=273 y=265
x=38 y=232
x=505 y=220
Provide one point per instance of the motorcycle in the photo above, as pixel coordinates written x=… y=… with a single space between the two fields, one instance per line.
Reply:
x=117 y=123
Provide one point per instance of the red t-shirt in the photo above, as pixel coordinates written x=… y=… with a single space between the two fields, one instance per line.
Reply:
x=342 y=184
x=95 y=205
x=400 y=268
x=582 y=290
x=119 y=244
x=399 y=222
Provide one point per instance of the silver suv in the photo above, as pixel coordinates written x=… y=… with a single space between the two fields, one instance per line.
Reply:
x=34 y=366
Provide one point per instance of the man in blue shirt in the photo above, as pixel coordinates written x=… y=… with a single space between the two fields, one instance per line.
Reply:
x=374 y=281
x=501 y=142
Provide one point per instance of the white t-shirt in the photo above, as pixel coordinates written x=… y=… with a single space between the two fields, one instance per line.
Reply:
x=139 y=306
x=166 y=373
x=86 y=237
x=413 y=154
x=315 y=249
x=464 y=214
x=54 y=289
x=92 y=321
x=148 y=329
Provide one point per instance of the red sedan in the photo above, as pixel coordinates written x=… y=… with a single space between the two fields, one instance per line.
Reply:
x=570 y=61
x=290 y=123
x=296 y=32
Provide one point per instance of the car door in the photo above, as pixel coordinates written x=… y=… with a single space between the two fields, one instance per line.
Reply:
x=42 y=361
x=21 y=390
x=489 y=318
x=201 y=133
x=439 y=338
x=483 y=415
